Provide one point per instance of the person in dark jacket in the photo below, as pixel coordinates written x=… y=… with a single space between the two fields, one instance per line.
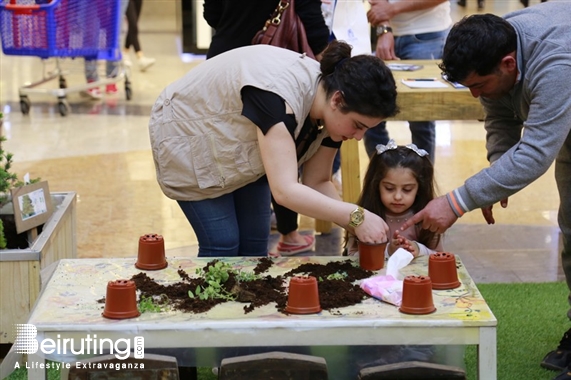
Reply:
x=237 y=22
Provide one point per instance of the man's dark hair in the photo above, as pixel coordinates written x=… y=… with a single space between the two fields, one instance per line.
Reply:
x=477 y=44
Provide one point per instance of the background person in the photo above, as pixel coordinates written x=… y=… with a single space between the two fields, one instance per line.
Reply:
x=519 y=66
x=261 y=110
x=132 y=38
x=111 y=67
x=481 y=3
x=409 y=30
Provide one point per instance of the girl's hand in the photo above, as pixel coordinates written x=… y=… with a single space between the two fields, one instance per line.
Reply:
x=394 y=243
x=399 y=241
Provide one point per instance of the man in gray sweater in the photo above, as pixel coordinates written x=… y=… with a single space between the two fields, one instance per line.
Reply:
x=520 y=68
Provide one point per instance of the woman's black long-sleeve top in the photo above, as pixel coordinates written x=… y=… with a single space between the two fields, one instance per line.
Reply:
x=236 y=22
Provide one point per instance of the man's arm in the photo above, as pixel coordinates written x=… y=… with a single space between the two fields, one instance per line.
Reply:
x=547 y=127
x=382 y=11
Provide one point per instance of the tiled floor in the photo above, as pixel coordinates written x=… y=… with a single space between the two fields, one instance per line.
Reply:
x=101 y=151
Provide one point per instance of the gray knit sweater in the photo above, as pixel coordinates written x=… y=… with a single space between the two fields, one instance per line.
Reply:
x=526 y=128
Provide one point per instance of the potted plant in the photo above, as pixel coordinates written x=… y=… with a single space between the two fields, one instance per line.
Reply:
x=22 y=260
x=8 y=181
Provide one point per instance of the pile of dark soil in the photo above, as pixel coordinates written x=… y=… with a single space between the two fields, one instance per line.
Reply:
x=339 y=290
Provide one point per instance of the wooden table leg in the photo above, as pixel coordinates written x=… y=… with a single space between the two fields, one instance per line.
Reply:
x=487 y=354
x=350 y=171
x=350 y=177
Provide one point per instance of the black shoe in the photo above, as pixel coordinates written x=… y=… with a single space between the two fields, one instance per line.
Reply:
x=564 y=375
x=461 y=3
x=480 y=4
x=559 y=359
x=525 y=3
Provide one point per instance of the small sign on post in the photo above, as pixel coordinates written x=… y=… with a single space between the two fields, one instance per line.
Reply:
x=32 y=207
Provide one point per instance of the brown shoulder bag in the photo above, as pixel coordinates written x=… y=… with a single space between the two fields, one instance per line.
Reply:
x=284 y=29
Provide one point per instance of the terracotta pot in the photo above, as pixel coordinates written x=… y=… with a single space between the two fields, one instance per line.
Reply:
x=151 y=252
x=442 y=271
x=303 y=296
x=417 y=295
x=372 y=256
x=121 y=300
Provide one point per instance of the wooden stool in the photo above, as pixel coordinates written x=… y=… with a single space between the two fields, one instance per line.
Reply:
x=412 y=371
x=275 y=366
x=156 y=367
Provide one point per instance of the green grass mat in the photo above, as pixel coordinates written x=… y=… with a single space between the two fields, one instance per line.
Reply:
x=531 y=320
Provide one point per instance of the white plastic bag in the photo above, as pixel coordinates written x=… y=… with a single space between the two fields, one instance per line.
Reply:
x=350 y=24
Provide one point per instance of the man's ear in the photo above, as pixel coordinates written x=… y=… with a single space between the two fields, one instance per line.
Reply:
x=509 y=62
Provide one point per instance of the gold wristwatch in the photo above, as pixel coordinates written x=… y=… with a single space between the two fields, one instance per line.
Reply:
x=357 y=217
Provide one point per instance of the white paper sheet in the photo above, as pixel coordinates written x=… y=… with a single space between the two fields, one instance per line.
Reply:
x=424 y=83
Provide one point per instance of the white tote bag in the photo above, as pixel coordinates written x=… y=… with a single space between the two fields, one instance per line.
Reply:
x=350 y=24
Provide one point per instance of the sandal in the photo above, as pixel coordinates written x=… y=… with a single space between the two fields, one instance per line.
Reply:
x=288 y=249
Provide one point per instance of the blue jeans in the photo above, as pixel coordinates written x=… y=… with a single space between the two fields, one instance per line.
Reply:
x=337 y=161
x=91 y=74
x=414 y=46
x=234 y=224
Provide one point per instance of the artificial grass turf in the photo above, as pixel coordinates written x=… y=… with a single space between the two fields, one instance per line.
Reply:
x=532 y=318
x=531 y=321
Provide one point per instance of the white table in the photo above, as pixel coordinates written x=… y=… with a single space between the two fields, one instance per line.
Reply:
x=67 y=307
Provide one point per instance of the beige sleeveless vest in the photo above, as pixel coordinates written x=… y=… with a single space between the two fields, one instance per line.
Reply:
x=202 y=146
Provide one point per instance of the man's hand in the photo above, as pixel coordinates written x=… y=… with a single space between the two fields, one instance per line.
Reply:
x=488 y=213
x=386 y=47
x=381 y=11
x=437 y=216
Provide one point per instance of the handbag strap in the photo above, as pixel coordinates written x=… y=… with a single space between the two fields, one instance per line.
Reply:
x=276 y=17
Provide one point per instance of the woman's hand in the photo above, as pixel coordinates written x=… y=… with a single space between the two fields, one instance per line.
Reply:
x=373 y=230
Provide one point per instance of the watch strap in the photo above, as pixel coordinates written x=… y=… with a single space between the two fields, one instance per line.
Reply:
x=383 y=29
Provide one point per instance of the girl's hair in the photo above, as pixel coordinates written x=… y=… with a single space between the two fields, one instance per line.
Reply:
x=366 y=83
x=401 y=157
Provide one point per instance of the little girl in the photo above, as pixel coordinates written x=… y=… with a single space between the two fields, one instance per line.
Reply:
x=399 y=182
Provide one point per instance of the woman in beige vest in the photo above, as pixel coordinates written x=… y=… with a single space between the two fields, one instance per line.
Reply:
x=245 y=120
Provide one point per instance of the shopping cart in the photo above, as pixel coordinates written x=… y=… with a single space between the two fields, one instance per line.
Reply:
x=62 y=29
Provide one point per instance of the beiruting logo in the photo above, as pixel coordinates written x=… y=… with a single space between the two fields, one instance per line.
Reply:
x=26 y=343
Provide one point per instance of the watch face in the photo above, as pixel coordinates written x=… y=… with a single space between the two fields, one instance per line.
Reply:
x=357 y=217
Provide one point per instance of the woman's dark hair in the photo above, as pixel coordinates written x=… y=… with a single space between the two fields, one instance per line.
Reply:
x=366 y=83
x=401 y=157
x=477 y=44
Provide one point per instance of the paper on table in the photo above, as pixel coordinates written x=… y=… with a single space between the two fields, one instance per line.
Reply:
x=389 y=288
x=403 y=67
x=398 y=260
x=426 y=83
x=454 y=84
